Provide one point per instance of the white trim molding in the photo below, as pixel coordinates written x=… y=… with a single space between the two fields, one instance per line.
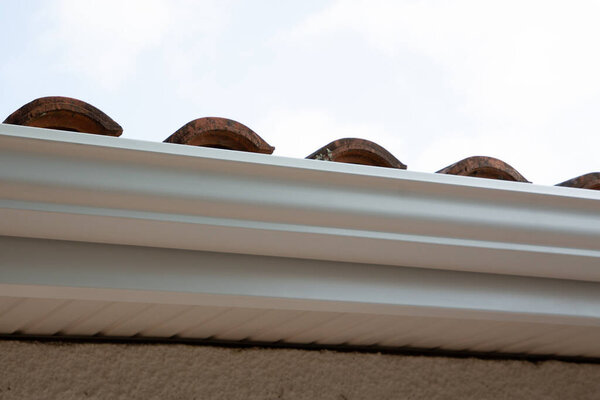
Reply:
x=114 y=237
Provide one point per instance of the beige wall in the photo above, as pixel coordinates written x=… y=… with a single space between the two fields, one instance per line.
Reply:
x=52 y=370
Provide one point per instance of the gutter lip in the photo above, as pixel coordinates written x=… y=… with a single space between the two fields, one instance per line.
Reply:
x=57 y=137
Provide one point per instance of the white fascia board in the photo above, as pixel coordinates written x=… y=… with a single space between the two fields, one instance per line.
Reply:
x=70 y=186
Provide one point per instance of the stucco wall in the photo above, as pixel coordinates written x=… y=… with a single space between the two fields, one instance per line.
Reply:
x=52 y=370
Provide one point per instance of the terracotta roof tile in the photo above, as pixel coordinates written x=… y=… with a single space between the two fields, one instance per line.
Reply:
x=484 y=167
x=587 y=181
x=65 y=113
x=220 y=133
x=357 y=151
x=70 y=114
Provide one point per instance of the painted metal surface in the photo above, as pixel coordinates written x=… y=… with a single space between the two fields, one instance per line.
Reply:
x=118 y=237
x=73 y=288
x=101 y=189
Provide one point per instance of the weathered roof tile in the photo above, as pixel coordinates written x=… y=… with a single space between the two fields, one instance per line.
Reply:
x=587 y=181
x=220 y=133
x=65 y=113
x=357 y=151
x=484 y=167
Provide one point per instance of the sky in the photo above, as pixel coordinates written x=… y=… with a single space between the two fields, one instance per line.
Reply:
x=431 y=81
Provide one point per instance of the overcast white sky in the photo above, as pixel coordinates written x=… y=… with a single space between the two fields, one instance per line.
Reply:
x=431 y=81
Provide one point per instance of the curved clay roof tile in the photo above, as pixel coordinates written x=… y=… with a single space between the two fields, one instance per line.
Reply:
x=484 y=167
x=220 y=133
x=587 y=181
x=65 y=113
x=357 y=151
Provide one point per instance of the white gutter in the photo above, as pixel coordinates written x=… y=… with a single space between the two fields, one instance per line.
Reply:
x=299 y=251
x=70 y=186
